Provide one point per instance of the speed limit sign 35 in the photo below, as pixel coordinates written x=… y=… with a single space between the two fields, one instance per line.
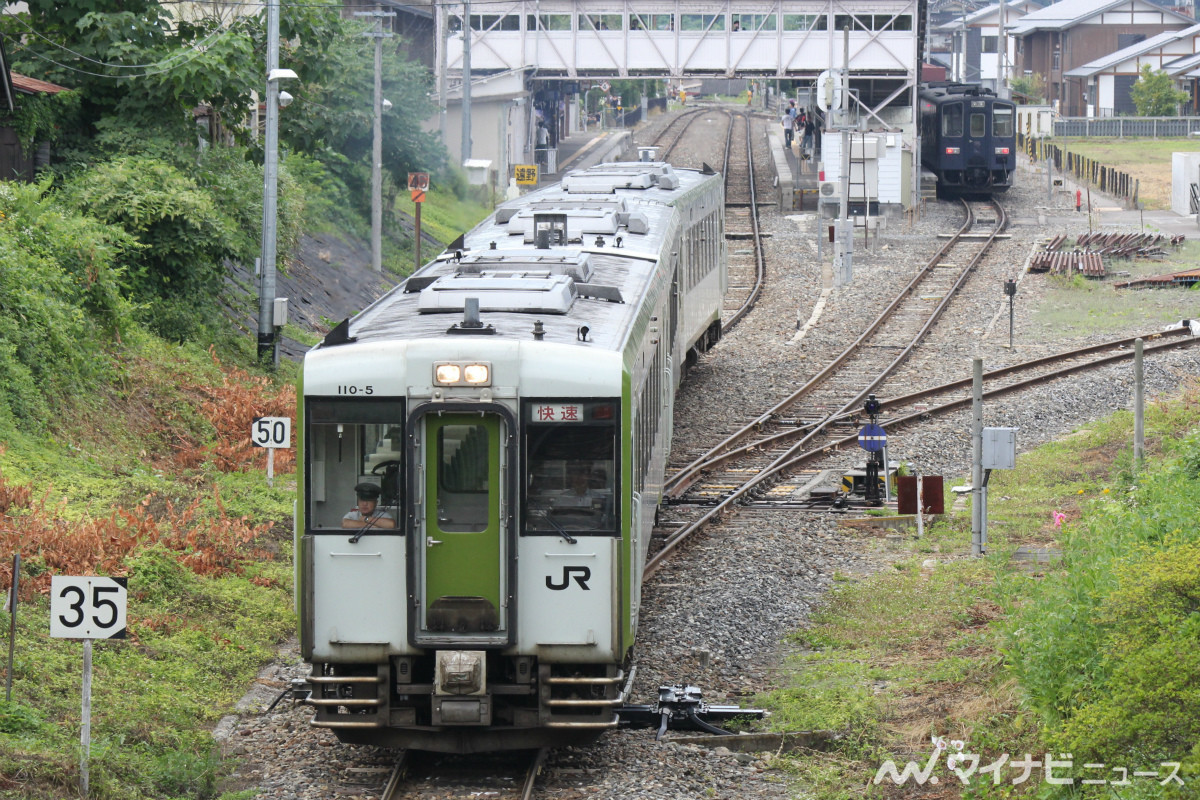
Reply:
x=87 y=607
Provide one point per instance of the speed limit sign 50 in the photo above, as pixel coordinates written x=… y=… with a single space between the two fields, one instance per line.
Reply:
x=87 y=607
x=275 y=432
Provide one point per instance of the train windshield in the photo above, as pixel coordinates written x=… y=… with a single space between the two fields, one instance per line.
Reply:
x=354 y=454
x=570 y=457
x=1002 y=121
x=952 y=119
x=978 y=124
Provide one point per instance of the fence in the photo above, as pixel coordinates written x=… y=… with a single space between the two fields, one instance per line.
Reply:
x=1154 y=127
x=1107 y=179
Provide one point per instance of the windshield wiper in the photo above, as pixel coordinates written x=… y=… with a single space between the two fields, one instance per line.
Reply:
x=548 y=515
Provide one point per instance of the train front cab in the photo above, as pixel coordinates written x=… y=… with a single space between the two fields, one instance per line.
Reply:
x=976 y=145
x=490 y=617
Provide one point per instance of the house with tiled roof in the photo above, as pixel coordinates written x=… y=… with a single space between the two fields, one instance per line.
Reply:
x=1107 y=83
x=1059 y=38
x=15 y=162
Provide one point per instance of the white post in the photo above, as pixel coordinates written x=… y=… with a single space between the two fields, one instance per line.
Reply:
x=887 y=490
x=85 y=735
x=1139 y=408
x=271 y=467
x=920 y=507
x=977 y=456
x=13 y=598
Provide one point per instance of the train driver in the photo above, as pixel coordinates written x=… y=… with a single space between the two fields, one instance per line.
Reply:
x=584 y=503
x=578 y=493
x=367 y=511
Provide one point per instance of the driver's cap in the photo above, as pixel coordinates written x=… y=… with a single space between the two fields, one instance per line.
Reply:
x=367 y=491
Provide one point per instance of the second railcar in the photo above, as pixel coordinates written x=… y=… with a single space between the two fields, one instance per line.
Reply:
x=968 y=138
x=505 y=415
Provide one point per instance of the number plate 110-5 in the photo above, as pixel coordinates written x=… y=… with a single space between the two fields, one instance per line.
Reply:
x=87 y=607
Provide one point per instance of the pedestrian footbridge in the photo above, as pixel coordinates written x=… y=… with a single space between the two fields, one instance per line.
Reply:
x=786 y=39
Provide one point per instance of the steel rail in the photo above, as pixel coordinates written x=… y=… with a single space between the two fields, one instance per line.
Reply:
x=531 y=775
x=683 y=478
x=690 y=117
x=779 y=466
x=391 y=789
x=760 y=263
x=933 y=391
x=999 y=391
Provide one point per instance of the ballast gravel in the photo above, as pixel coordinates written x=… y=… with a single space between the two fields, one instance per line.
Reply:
x=718 y=613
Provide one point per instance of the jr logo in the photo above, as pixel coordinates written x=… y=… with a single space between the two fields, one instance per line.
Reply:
x=582 y=576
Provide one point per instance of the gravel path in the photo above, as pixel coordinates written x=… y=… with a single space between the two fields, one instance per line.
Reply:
x=717 y=613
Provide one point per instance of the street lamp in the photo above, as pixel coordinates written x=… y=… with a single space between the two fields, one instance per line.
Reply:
x=275 y=100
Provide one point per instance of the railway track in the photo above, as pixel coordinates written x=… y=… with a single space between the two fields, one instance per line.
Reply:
x=743 y=237
x=863 y=365
x=745 y=461
x=743 y=234
x=669 y=138
x=506 y=776
x=936 y=401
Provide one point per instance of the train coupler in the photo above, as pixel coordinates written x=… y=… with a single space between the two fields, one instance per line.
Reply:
x=681 y=707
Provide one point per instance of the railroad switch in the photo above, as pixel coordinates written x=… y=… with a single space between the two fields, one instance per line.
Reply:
x=682 y=707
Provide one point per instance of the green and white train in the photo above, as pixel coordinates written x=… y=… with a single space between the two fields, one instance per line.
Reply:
x=511 y=404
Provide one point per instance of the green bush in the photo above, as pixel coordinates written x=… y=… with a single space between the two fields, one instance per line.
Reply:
x=178 y=275
x=1150 y=703
x=17 y=719
x=1106 y=650
x=59 y=299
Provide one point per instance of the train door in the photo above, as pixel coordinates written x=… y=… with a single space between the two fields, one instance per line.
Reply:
x=461 y=534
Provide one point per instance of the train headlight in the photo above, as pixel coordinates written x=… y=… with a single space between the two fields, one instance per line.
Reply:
x=952 y=151
x=477 y=374
x=447 y=374
x=1001 y=151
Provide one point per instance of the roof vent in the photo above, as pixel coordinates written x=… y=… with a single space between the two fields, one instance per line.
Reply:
x=534 y=291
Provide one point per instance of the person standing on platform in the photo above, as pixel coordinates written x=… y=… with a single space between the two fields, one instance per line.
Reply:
x=789 y=123
x=806 y=144
x=543 y=141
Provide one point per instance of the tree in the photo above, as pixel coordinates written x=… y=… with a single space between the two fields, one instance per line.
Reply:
x=140 y=73
x=130 y=60
x=1032 y=87
x=1155 y=94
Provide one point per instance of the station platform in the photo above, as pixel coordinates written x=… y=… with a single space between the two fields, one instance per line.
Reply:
x=796 y=178
x=583 y=150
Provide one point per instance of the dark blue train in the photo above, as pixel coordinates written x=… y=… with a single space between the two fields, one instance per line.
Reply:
x=968 y=138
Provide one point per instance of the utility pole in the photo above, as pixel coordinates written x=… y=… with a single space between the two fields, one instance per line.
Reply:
x=843 y=249
x=377 y=139
x=466 y=83
x=443 y=34
x=1002 y=79
x=266 y=292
